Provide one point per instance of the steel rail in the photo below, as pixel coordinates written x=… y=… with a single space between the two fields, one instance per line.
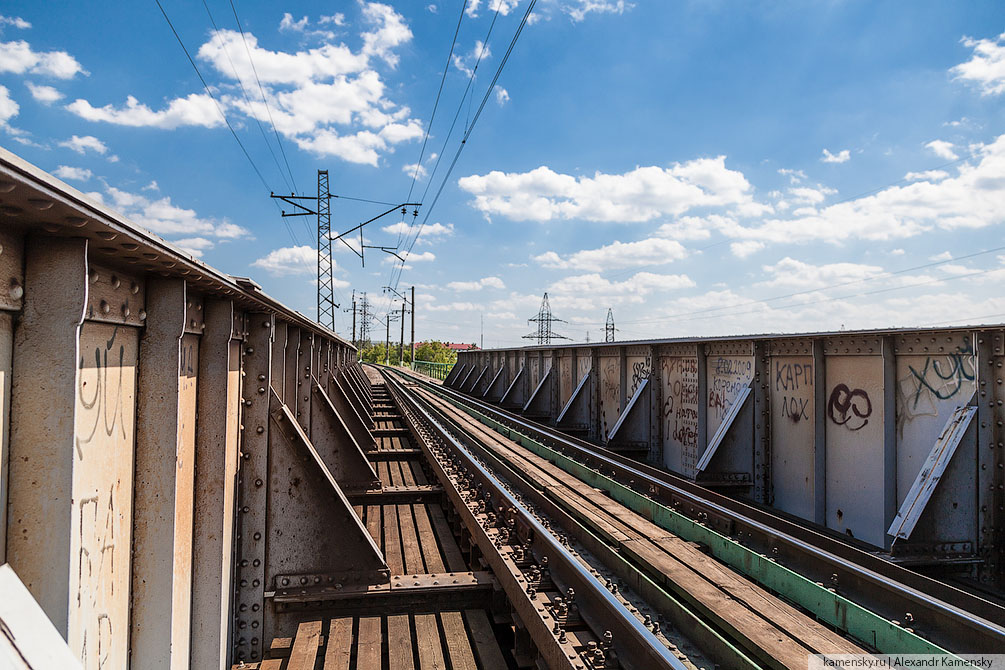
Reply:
x=942 y=613
x=638 y=648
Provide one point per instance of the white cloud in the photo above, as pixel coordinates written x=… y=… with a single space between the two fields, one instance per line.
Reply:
x=745 y=248
x=943 y=256
x=198 y=109
x=842 y=156
x=640 y=195
x=15 y=21
x=502 y=95
x=84 y=144
x=792 y=273
x=338 y=19
x=302 y=260
x=19 y=58
x=329 y=100
x=430 y=230
x=8 y=107
x=986 y=67
x=942 y=149
x=927 y=175
x=586 y=291
x=432 y=9
x=455 y=307
x=477 y=285
x=795 y=176
x=424 y=257
x=415 y=169
x=897 y=252
x=973 y=199
x=390 y=31
x=466 y=64
x=44 y=94
x=76 y=173
x=617 y=255
x=162 y=217
x=805 y=194
x=287 y=23
x=152 y=186
x=578 y=9
x=194 y=245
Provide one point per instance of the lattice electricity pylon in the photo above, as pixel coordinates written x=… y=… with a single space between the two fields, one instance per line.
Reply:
x=326 y=285
x=544 y=319
x=609 y=328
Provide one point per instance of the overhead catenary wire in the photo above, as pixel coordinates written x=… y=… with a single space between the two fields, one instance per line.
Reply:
x=467 y=134
x=453 y=123
x=219 y=108
x=261 y=90
x=244 y=92
x=209 y=91
x=432 y=116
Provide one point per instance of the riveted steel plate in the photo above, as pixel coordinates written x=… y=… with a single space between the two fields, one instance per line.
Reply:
x=115 y=297
x=678 y=349
x=789 y=347
x=730 y=348
x=946 y=342
x=851 y=345
x=11 y=270
x=195 y=320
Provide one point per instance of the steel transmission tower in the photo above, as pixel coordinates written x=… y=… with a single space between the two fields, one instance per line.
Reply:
x=544 y=319
x=609 y=328
x=365 y=315
x=326 y=286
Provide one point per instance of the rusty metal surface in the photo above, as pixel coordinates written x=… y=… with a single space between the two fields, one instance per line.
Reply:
x=165 y=460
x=217 y=444
x=102 y=485
x=951 y=614
x=42 y=440
x=839 y=427
x=106 y=406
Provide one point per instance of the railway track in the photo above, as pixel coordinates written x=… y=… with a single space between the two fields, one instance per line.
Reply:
x=662 y=574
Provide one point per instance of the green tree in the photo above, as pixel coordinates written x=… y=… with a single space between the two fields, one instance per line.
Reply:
x=435 y=351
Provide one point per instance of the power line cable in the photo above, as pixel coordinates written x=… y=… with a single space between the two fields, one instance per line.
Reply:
x=244 y=92
x=211 y=95
x=261 y=89
x=436 y=104
x=446 y=140
x=220 y=110
x=467 y=134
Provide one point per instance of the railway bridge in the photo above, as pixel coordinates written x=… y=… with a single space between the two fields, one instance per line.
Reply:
x=195 y=475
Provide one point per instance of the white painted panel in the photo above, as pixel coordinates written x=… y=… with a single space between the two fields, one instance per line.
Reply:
x=929 y=389
x=639 y=369
x=792 y=434
x=727 y=376
x=610 y=393
x=855 y=477
x=105 y=434
x=566 y=383
x=680 y=414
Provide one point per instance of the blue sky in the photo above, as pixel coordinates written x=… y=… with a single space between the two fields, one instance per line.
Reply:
x=703 y=168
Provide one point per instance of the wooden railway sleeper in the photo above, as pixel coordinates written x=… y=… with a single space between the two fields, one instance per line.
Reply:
x=636 y=644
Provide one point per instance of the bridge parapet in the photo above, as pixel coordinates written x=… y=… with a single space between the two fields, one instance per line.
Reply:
x=147 y=404
x=891 y=437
